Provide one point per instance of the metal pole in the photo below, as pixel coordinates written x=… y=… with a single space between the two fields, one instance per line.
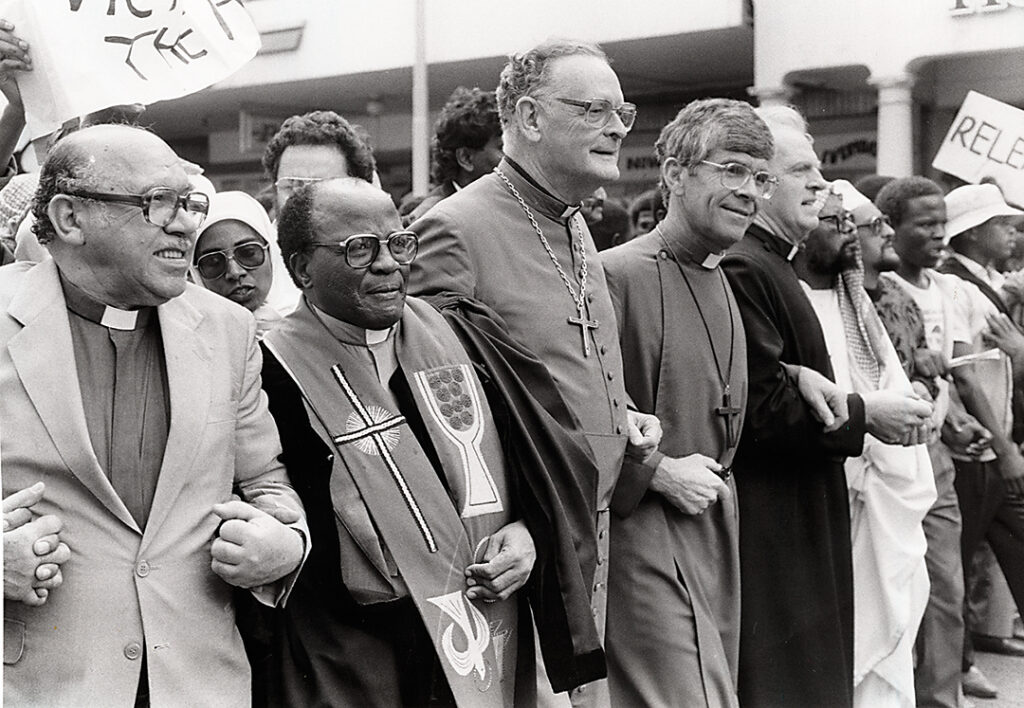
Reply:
x=420 y=106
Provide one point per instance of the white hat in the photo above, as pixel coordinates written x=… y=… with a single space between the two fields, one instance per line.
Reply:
x=237 y=206
x=973 y=205
x=852 y=199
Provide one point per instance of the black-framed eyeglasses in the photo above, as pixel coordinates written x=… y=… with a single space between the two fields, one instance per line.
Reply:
x=841 y=222
x=159 y=205
x=249 y=255
x=361 y=250
x=598 y=111
x=734 y=175
x=877 y=224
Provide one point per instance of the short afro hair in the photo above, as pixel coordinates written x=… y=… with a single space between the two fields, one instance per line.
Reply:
x=892 y=198
x=469 y=119
x=295 y=226
x=322 y=128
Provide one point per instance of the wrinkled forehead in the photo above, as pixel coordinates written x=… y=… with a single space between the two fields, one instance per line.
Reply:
x=582 y=76
x=792 y=149
x=135 y=164
x=342 y=209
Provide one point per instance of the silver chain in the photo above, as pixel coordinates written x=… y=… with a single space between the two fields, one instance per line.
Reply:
x=579 y=300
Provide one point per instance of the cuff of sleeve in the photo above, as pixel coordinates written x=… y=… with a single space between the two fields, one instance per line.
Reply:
x=276 y=594
x=633 y=483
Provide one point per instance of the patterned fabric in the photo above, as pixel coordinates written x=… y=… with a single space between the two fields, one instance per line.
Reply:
x=904 y=322
x=863 y=334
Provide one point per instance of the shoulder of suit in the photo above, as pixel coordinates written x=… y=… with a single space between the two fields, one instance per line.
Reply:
x=214 y=306
x=11 y=276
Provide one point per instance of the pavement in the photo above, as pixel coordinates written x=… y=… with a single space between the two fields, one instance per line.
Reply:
x=1007 y=673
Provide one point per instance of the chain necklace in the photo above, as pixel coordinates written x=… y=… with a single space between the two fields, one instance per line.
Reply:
x=727 y=410
x=579 y=299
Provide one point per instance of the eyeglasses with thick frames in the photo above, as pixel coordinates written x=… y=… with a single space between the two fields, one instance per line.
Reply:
x=840 y=222
x=734 y=176
x=361 y=250
x=249 y=255
x=159 y=205
x=877 y=225
x=290 y=185
x=598 y=111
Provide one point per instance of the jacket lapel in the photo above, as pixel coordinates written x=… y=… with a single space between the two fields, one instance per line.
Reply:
x=188 y=382
x=43 y=355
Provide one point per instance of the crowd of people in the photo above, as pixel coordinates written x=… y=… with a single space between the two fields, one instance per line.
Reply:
x=505 y=444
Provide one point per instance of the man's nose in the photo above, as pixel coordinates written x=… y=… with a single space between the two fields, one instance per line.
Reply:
x=384 y=262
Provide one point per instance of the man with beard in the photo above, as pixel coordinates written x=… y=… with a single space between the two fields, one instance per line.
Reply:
x=796 y=638
x=890 y=486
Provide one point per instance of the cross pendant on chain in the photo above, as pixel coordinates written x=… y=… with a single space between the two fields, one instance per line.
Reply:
x=729 y=413
x=585 y=326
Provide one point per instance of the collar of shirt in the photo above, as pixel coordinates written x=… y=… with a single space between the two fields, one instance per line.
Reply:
x=84 y=305
x=536 y=196
x=348 y=333
x=786 y=250
x=701 y=256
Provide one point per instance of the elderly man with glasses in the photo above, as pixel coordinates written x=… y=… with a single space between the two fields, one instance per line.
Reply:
x=416 y=483
x=516 y=240
x=135 y=397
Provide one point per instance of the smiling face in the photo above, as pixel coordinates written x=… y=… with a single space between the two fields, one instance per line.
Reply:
x=714 y=214
x=117 y=256
x=577 y=157
x=248 y=288
x=374 y=297
x=918 y=239
x=793 y=210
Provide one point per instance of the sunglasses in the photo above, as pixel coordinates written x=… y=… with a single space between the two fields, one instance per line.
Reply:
x=249 y=255
x=361 y=250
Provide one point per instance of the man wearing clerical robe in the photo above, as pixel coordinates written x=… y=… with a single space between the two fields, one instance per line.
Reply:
x=674 y=581
x=796 y=623
x=891 y=486
x=411 y=596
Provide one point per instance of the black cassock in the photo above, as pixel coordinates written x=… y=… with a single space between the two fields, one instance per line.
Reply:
x=796 y=632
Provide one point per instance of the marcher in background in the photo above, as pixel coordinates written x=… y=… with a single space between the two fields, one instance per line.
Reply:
x=308 y=148
x=891 y=486
x=796 y=636
x=646 y=211
x=515 y=240
x=230 y=257
x=142 y=417
x=674 y=581
x=465 y=147
x=613 y=228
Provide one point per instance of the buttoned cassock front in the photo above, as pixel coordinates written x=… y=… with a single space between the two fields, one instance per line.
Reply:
x=130 y=593
x=480 y=242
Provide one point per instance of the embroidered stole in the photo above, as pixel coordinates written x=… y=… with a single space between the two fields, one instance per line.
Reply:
x=432 y=535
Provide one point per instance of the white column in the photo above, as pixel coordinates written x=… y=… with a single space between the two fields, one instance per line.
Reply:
x=895 y=125
x=420 y=107
x=772 y=95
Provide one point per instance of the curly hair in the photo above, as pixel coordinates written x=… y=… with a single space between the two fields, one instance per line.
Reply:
x=710 y=124
x=892 y=198
x=526 y=73
x=321 y=128
x=469 y=119
x=67 y=165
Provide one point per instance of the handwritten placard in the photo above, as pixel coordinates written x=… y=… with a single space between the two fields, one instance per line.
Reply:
x=986 y=141
x=92 y=54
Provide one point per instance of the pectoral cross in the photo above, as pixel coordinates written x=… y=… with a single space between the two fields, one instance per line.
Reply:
x=729 y=412
x=585 y=325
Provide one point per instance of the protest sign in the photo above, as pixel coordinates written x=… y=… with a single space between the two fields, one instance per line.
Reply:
x=986 y=140
x=92 y=54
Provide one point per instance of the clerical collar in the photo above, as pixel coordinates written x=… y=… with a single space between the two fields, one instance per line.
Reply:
x=536 y=195
x=84 y=305
x=781 y=246
x=695 y=254
x=348 y=333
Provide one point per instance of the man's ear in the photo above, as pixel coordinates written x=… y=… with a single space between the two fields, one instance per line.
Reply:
x=527 y=115
x=299 y=263
x=673 y=174
x=65 y=214
x=464 y=156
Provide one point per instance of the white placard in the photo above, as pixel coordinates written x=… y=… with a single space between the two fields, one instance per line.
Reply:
x=986 y=140
x=92 y=54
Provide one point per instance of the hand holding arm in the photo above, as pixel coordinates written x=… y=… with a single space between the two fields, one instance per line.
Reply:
x=691 y=483
x=644 y=434
x=826 y=400
x=252 y=547
x=506 y=564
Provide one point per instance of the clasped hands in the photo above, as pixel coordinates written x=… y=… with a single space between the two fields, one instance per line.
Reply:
x=33 y=551
x=254 y=547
